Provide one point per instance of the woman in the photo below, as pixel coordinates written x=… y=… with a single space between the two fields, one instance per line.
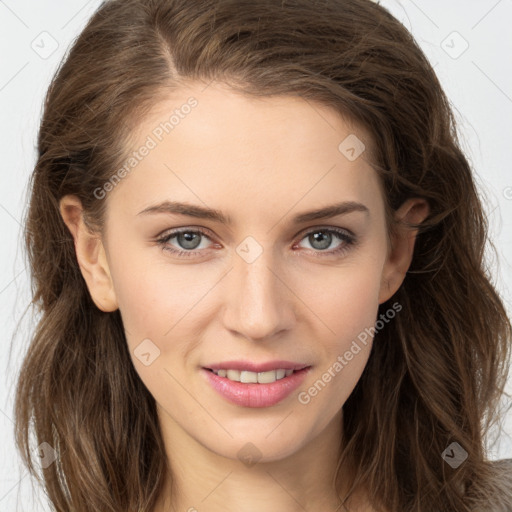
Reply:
x=258 y=251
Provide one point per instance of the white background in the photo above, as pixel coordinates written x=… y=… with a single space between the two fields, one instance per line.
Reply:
x=478 y=82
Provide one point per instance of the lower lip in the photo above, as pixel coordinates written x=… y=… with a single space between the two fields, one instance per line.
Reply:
x=256 y=395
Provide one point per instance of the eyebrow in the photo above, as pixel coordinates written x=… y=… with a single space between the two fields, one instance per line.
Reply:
x=200 y=212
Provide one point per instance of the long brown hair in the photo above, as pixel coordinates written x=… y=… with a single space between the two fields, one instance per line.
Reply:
x=436 y=372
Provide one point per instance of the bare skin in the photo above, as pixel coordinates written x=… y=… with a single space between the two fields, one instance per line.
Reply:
x=261 y=162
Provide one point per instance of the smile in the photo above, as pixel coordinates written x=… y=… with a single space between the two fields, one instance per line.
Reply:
x=253 y=377
x=248 y=388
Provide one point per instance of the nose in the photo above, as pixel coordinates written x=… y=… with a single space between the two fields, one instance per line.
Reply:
x=259 y=302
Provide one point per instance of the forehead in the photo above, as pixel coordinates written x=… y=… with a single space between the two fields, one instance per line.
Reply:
x=204 y=144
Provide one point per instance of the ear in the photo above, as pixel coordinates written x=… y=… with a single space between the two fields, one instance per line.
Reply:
x=90 y=255
x=400 y=255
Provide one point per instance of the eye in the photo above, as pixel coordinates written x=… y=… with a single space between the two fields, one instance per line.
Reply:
x=321 y=238
x=189 y=241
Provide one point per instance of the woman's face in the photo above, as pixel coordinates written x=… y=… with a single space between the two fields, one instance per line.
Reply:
x=256 y=283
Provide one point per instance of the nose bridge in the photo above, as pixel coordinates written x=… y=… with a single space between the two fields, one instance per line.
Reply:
x=257 y=303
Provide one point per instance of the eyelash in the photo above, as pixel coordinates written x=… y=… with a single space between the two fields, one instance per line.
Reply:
x=348 y=239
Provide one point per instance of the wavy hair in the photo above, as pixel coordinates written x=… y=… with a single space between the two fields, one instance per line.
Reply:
x=435 y=374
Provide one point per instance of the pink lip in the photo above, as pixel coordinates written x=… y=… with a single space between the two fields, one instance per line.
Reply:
x=256 y=367
x=255 y=395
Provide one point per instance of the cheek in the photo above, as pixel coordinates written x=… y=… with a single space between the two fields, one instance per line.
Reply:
x=346 y=302
x=348 y=306
x=143 y=292
x=152 y=293
x=346 y=297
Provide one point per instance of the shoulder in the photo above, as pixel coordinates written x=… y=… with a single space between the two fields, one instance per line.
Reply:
x=499 y=488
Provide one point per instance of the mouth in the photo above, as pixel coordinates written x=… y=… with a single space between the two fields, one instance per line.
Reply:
x=255 y=386
x=249 y=377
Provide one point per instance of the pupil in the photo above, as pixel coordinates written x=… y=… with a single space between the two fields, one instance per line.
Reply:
x=323 y=238
x=188 y=240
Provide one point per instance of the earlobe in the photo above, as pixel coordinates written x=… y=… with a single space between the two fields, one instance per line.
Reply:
x=90 y=254
x=414 y=211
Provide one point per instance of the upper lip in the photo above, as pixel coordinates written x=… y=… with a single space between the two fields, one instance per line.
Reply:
x=257 y=367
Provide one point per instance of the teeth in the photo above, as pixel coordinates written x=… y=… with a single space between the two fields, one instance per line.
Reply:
x=249 y=377
x=267 y=377
x=253 y=377
x=233 y=375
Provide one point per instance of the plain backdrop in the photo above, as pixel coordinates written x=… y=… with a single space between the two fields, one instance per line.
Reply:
x=469 y=43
